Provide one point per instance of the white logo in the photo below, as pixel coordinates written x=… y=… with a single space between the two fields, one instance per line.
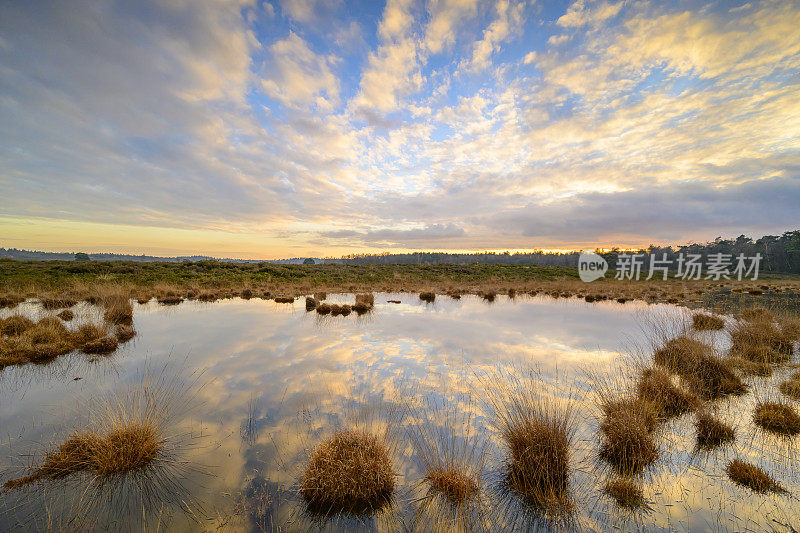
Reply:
x=591 y=266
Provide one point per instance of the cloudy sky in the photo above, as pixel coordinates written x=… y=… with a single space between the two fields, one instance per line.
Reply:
x=319 y=127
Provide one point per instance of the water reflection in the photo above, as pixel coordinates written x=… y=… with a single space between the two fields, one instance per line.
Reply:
x=281 y=379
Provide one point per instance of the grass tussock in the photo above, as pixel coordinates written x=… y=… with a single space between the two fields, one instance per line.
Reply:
x=626 y=426
x=750 y=368
x=538 y=434
x=311 y=303
x=351 y=472
x=24 y=341
x=101 y=346
x=117 y=451
x=452 y=459
x=706 y=322
x=427 y=297
x=169 y=298
x=625 y=492
x=655 y=385
x=118 y=309
x=57 y=301
x=10 y=300
x=791 y=387
x=705 y=374
x=125 y=333
x=284 y=299
x=489 y=296
x=752 y=477
x=364 y=303
x=761 y=340
x=324 y=308
x=711 y=431
x=777 y=417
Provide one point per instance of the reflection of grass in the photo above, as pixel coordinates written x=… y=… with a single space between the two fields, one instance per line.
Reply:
x=351 y=472
x=625 y=492
x=752 y=477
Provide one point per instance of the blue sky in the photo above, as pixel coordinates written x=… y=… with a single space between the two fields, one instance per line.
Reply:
x=322 y=127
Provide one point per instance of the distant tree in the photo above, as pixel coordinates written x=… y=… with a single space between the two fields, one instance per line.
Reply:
x=80 y=256
x=308 y=261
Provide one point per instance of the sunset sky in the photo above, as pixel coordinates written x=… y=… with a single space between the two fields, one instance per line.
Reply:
x=323 y=127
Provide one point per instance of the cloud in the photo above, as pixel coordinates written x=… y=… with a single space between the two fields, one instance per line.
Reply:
x=424 y=236
x=299 y=77
x=508 y=22
x=446 y=16
x=584 y=12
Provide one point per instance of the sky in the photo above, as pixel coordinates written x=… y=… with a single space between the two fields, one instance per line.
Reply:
x=290 y=128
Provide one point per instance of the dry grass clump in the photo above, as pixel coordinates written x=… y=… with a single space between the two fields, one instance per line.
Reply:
x=10 y=300
x=750 y=368
x=761 y=340
x=757 y=314
x=538 y=434
x=66 y=315
x=452 y=462
x=351 y=472
x=489 y=296
x=427 y=297
x=655 y=385
x=24 y=341
x=311 y=303
x=118 y=451
x=706 y=322
x=124 y=435
x=627 y=443
x=323 y=308
x=118 y=310
x=15 y=325
x=207 y=296
x=752 y=477
x=364 y=303
x=705 y=374
x=101 y=346
x=625 y=492
x=711 y=431
x=125 y=333
x=57 y=301
x=777 y=417
x=791 y=387
x=320 y=296
x=284 y=299
x=169 y=298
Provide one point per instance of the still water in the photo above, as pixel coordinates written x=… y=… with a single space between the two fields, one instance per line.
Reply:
x=256 y=384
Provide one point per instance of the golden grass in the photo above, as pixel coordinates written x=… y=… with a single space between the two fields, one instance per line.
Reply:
x=752 y=477
x=351 y=472
x=66 y=315
x=311 y=303
x=706 y=322
x=427 y=296
x=777 y=417
x=705 y=374
x=489 y=296
x=627 y=443
x=118 y=309
x=284 y=299
x=125 y=333
x=364 y=303
x=625 y=492
x=655 y=385
x=169 y=298
x=761 y=340
x=749 y=368
x=117 y=451
x=711 y=431
x=791 y=387
x=324 y=308
x=101 y=346
x=24 y=341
